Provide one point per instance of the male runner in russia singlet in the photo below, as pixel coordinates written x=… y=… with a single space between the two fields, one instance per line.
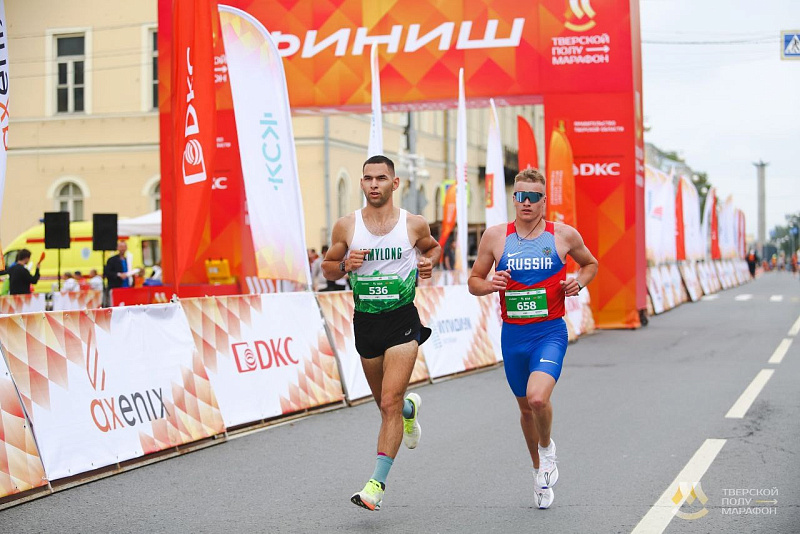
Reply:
x=530 y=256
x=383 y=249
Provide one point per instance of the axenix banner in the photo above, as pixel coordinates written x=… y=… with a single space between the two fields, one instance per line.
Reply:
x=105 y=386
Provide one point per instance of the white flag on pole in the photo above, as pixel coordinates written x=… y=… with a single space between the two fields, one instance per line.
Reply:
x=266 y=148
x=496 y=209
x=461 y=179
x=376 y=126
x=4 y=117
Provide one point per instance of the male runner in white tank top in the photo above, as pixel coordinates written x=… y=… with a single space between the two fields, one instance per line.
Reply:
x=383 y=249
x=530 y=256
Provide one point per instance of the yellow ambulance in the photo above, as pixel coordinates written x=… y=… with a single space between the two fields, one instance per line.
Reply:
x=145 y=251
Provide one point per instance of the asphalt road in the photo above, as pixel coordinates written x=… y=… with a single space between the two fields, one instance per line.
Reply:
x=632 y=409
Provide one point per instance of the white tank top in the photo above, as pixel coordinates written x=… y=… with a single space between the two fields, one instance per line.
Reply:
x=387 y=278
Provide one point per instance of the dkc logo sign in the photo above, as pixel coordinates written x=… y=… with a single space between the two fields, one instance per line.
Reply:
x=596 y=169
x=267 y=354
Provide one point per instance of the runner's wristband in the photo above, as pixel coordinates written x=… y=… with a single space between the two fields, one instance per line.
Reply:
x=579 y=285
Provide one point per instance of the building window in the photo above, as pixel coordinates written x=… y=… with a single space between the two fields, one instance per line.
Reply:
x=341 y=197
x=154 y=67
x=70 y=61
x=70 y=198
x=155 y=197
x=438 y=208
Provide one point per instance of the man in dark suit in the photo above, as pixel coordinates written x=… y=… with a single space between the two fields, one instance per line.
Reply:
x=19 y=277
x=116 y=271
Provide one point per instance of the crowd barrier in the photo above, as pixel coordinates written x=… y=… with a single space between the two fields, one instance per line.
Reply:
x=34 y=302
x=77 y=300
x=265 y=355
x=673 y=284
x=84 y=389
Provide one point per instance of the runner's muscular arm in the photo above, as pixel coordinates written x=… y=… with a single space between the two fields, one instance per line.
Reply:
x=338 y=249
x=582 y=256
x=428 y=247
x=477 y=282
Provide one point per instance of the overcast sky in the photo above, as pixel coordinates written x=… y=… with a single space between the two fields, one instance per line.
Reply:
x=724 y=106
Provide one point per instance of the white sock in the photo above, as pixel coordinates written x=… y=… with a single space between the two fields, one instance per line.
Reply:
x=548 y=448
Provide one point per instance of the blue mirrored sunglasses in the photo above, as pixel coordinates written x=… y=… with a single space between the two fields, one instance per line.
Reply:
x=522 y=196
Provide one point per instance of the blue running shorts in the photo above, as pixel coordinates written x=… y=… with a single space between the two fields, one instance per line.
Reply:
x=533 y=347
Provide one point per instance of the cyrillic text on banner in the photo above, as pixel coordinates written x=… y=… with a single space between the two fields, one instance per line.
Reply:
x=266 y=148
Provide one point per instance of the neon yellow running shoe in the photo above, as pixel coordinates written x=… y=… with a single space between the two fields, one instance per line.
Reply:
x=370 y=497
x=411 y=429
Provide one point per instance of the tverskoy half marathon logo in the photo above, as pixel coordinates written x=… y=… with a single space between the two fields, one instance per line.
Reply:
x=194 y=165
x=580 y=16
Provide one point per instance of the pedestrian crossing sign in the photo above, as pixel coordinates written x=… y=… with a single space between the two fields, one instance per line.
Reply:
x=790 y=44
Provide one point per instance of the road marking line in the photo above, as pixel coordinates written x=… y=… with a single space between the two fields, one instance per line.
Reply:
x=743 y=403
x=776 y=298
x=780 y=352
x=795 y=328
x=661 y=513
x=711 y=297
x=741 y=298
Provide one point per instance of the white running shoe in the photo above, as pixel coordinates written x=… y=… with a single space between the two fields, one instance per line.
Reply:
x=548 y=470
x=544 y=497
x=411 y=429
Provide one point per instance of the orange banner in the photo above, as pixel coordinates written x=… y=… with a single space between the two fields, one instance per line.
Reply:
x=448 y=215
x=560 y=179
x=527 y=155
x=680 y=240
x=187 y=187
x=716 y=253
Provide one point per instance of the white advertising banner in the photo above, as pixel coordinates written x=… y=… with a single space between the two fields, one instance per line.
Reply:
x=466 y=329
x=689 y=274
x=728 y=224
x=655 y=288
x=266 y=355
x=266 y=148
x=667 y=288
x=104 y=386
x=692 y=233
x=654 y=215
x=496 y=205
x=376 y=125
x=4 y=94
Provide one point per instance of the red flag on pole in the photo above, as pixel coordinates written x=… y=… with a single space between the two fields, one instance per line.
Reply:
x=193 y=130
x=680 y=240
x=527 y=155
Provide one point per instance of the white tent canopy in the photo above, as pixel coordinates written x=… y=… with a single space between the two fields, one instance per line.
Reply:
x=148 y=224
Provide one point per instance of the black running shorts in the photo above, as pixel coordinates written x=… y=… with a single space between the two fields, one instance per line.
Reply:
x=376 y=332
